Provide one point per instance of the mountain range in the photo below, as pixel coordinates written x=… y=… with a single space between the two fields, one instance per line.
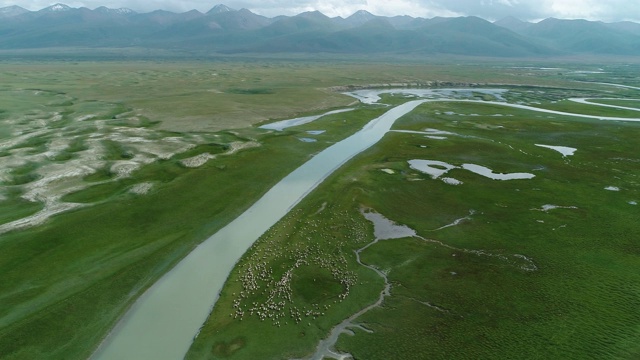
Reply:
x=226 y=30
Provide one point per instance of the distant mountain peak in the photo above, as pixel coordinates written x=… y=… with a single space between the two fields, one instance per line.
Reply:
x=106 y=10
x=220 y=8
x=360 y=17
x=362 y=13
x=58 y=7
x=13 y=10
x=313 y=15
x=237 y=31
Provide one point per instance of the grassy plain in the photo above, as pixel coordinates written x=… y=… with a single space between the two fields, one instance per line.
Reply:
x=576 y=305
x=106 y=127
x=589 y=109
x=447 y=301
x=81 y=269
x=228 y=93
x=626 y=103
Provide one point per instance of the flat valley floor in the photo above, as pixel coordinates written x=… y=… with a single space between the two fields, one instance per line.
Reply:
x=491 y=221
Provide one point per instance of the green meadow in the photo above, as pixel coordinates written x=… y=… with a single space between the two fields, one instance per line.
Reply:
x=111 y=172
x=625 y=103
x=462 y=291
x=589 y=109
x=579 y=301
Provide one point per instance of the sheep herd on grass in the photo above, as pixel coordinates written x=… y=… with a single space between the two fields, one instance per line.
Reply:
x=282 y=255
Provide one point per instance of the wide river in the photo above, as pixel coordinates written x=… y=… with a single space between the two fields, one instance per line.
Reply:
x=163 y=322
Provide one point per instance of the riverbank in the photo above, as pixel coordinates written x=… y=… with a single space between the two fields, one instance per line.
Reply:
x=439 y=288
x=153 y=329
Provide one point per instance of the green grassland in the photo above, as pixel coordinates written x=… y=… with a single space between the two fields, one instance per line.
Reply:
x=579 y=302
x=588 y=109
x=81 y=278
x=105 y=127
x=228 y=93
x=626 y=103
x=445 y=302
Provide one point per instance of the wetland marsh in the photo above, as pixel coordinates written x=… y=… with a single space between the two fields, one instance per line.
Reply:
x=103 y=197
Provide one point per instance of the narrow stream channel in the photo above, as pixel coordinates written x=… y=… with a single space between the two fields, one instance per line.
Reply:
x=164 y=320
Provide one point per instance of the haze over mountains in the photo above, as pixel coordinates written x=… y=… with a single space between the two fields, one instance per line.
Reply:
x=225 y=30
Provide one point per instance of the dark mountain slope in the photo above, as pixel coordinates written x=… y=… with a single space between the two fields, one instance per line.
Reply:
x=374 y=36
x=226 y=30
x=215 y=24
x=584 y=36
x=474 y=36
x=627 y=26
x=68 y=27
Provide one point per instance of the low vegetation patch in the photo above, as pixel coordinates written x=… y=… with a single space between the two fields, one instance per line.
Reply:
x=256 y=91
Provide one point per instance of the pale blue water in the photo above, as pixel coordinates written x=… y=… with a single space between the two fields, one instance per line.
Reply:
x=163 y=322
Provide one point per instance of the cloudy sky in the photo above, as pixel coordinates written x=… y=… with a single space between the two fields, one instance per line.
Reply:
x=604 y=10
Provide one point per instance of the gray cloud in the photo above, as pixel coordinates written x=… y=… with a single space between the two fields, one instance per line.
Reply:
x=609 y=10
